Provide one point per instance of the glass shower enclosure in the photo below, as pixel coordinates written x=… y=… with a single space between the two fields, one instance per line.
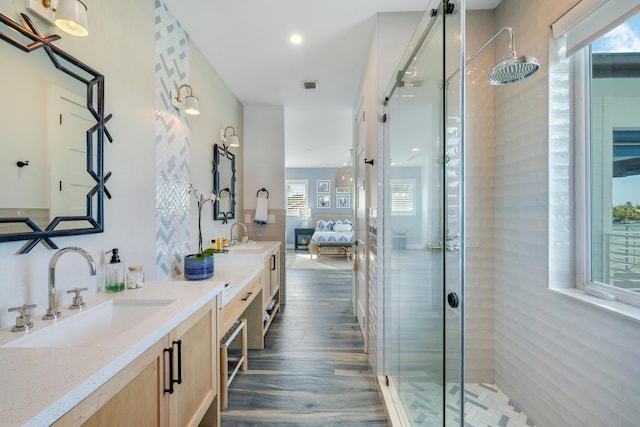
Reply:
x=423 y=251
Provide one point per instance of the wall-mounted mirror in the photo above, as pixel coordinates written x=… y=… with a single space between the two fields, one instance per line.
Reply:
x=52 y=130
x=224 y=183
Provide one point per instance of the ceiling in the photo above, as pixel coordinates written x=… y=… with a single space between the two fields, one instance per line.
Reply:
x=247 y=42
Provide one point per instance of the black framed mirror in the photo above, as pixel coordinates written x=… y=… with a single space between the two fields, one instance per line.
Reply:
x=58 y=212
x=224 y=183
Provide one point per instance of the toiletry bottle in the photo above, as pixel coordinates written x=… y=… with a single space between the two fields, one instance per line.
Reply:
x=114 y=273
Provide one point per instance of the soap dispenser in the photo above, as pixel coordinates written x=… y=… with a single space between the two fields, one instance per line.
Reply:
x=114 y=273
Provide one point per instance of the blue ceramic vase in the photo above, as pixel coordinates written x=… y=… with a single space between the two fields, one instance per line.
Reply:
x=198 y=270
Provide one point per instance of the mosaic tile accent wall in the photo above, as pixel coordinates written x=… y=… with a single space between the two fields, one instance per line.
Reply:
x=172 y=146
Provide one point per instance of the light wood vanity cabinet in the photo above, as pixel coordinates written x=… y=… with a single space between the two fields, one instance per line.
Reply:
x=192 y=397
x=242 y=305
x=271 y=285
x=252 y=300
x=131 y=397
x=139 y=394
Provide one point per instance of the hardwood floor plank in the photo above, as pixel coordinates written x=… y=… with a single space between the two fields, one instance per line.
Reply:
x=313 y=371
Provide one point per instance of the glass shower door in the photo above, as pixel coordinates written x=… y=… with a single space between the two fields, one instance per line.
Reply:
x=422 y=226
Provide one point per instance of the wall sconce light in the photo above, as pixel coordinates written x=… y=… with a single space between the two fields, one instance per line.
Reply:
x=191 y=105
x=232 y=140
x=68 y=15
x=71 y=16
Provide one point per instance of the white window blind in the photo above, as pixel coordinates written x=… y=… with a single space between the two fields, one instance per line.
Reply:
x=590 y=19
x=403 y=197
x=296 y=196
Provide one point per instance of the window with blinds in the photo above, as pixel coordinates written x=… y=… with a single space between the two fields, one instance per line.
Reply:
x=296 y=196
x=403 y=197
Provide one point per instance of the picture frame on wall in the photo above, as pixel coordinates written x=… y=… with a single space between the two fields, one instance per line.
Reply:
x=323 y=186
x=343 y=200
x=324 y=202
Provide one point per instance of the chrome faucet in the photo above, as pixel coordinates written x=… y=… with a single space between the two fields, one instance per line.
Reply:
x=52 y=311
x=233 y=242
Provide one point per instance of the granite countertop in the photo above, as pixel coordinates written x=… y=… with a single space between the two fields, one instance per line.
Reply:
x=42 y=384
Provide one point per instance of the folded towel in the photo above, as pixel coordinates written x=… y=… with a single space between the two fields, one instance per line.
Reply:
x=261 y=211
x=271 y=306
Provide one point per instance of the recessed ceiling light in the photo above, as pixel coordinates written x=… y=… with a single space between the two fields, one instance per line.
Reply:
x=295 y=38
x=416 y=149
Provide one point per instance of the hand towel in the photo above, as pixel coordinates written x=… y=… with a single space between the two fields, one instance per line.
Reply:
x=261 y=211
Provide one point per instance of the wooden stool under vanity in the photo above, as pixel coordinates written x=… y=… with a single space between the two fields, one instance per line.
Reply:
x=241 y=363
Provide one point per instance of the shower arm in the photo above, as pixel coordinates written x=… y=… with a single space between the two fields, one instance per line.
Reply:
x=512 y=50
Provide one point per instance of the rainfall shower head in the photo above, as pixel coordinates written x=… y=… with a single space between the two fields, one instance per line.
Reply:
x=513 y=69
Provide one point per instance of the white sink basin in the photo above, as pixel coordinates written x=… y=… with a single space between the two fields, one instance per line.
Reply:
x=93 y=327
x=250 y=248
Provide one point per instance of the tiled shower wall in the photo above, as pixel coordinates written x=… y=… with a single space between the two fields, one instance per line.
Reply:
x=479 y=196
x=563 y=362
x=172 y=146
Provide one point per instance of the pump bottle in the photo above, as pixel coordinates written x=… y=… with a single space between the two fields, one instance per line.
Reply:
x=114 y=273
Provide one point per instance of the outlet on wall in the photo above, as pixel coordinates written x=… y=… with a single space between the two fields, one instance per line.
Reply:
x=271 y=219
x=247 y=218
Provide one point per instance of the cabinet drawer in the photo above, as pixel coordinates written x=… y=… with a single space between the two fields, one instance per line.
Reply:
x=234 y=308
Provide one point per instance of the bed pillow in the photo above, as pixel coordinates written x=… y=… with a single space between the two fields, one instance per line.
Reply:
x=324 y=225
x=341 y=228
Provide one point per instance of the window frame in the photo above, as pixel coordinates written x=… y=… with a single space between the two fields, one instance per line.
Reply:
x=306 y=195
x=581 y=65
x=412 y=182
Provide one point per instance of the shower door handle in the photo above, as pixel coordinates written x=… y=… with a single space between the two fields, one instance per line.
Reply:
x=453 y=300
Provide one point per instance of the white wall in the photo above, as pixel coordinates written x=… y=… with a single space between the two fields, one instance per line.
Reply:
x=264 y=168
x=122 y=46
x=563 y=363
x=315 y=133
x=264 y=154
x=220 y=108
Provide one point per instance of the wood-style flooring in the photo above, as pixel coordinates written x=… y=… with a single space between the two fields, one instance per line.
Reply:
x=313 y=371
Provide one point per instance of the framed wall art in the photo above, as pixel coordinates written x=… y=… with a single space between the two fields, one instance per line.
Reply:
x=324 y=201
x=323 y=186
x=343 y=200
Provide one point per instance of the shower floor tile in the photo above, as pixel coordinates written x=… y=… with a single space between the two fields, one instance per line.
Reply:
x=485 y=406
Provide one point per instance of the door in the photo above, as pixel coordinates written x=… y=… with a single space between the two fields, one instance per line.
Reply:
x=195 y=366
x=361 y=296
x=422 y=227
x=70 y=182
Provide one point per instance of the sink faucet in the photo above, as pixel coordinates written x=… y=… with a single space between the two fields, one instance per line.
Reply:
x=244 y=227
x=52 y=311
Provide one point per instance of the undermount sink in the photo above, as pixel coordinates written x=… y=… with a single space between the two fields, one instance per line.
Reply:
x=249 y=247
x=93 y=327
x=248 y=250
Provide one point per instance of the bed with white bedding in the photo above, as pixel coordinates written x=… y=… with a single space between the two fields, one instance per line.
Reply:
x=333 y=235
